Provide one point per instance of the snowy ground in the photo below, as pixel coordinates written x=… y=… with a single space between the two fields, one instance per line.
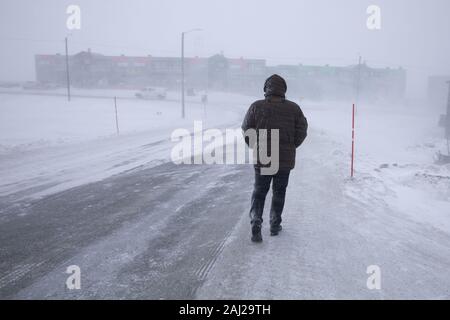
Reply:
x=33 y=121
x=394 y=162
x=394 y=214
x=72 y=192
x=48 y=144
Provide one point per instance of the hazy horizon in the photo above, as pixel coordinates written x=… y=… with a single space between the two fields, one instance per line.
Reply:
x=412 y=33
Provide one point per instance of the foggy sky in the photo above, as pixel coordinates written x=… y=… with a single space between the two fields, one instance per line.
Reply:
x=414 y=33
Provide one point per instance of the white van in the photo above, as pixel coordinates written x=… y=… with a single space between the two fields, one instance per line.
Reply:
x=151 y=93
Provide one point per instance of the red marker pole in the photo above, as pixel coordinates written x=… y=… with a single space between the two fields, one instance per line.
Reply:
x=353 y=139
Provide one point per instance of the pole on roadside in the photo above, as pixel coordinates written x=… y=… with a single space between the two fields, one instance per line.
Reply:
x=182 y=75
x=67 y=70
x=448 y=146
x=353 y=141
x=117 y=118
x=447 y=121
x=182 y=70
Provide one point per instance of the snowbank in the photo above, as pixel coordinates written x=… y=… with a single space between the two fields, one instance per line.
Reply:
x=48 y=144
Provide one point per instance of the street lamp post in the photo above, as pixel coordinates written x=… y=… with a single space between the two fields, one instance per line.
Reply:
x=182 y=75
x=182 y=70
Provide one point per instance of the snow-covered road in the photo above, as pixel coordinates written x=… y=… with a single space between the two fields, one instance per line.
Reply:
x=139 y=226
x=183 y=232
x=329 y=239
x=48 y=145
x=152 y=233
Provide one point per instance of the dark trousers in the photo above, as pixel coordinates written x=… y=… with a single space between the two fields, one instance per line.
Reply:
x=262 y=185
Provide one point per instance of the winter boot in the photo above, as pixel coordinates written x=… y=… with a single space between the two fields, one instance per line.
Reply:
x=256 y=233
x=274 y=230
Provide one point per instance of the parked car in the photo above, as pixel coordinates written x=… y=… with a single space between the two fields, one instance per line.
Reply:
x=8 y=84
x=190 y=92
x=32 y=85
x=151 y=93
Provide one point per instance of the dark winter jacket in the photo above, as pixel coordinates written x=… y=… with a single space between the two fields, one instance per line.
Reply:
x=276 y=112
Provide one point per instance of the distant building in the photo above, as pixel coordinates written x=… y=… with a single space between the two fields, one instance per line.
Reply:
x=341 y=83
x=50 y=68
x=88 y=69
x=437 y=91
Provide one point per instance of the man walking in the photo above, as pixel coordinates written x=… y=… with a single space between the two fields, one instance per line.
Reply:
x=274 y=112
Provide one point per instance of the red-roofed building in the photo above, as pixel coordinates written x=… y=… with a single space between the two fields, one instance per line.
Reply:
x=88 y=69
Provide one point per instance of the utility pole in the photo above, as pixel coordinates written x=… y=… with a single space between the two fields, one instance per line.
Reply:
x=353 y=143
x=182 y=75
x=182 y=70
x=67 y=71
x=117 y=119
x=447 y=122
